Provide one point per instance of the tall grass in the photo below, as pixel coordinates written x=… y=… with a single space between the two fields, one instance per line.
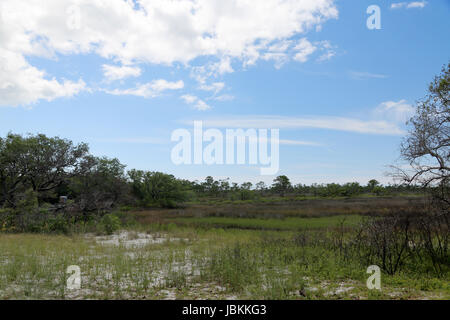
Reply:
x=202 y=263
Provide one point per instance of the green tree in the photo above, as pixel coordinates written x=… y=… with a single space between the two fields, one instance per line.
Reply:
x=37 y=162
x=261 y=186
x=100 y=183
x=281 y=185
x=372 y=184
x=211 y=186
x=157 y=188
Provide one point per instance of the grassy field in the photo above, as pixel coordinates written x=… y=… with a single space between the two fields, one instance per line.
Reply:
x=272 y=224
x=169 y=255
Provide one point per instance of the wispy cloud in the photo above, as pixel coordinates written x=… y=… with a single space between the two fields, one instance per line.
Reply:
x=216 y=87
x=223 y=97
x=328 y=49
x=150 y=89
x=141 y=140
x=188 y=98
x=409 y=5
x=286 y=142
x=379 y=127
x=397 y=111
x=299 y=143
x=366 y=75
x=304 y=49
x=113 y=73
x=198 y=103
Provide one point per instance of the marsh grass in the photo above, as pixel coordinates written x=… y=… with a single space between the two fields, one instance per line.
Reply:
x=203 y=262
x=273 y=224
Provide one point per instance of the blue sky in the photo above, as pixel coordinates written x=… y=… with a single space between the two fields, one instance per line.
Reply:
x=122 y=77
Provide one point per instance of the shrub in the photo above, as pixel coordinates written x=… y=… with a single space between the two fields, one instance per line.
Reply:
x=57 y=224
x=385 y=241
x=6 y=220
x=110 y=223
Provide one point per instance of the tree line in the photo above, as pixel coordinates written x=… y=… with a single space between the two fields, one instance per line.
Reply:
x=44 y=169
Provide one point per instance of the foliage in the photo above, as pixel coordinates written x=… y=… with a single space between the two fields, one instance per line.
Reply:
x=37 y=162
x=99 y=185
x=110 y=223
x=156 y=188
x=281 y=185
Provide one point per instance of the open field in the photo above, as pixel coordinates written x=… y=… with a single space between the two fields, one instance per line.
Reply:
x=286 y=207
x=170 y=254
x=272 y=224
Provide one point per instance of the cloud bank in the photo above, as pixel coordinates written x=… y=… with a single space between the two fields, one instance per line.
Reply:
x=154 y=32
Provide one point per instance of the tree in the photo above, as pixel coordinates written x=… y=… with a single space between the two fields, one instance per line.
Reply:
x=13 y=169
x=427 y=146
x=157 y=188
x=261 y=186
x=37 y=162
x=427 y=149
x=99 y=184
x=281 y=185
x=351 y=189
x=211 y=186
x=224 y=187
x=52 y=161
x=246 y=186
x=372 y=184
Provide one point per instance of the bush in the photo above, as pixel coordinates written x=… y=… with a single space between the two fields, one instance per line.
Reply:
x=110 y=223
x=167 y=203
x=57 y=224
x=6 y=220
x=385 y=241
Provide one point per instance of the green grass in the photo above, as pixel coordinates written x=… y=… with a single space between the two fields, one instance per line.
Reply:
x=208 y=258
x=273 y=224
x=205 y=264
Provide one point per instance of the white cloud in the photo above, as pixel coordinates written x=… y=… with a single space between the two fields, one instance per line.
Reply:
x=224 y=97
x=190 y=99
x=283 y=51
x=398 y=5
x=328 y=49
x=150 y=89
x=385 y=120
x=278 y=52
x=416 y=4
x=23 y=84
x=162 y=85
x=304 y=49
x=380 y=127
x=299 y=143
x=326 y=56
x=196 y=102
x=279 y=58
x=150 y=31
x=398 y=111
x=113 y=73
x=287 y=142
x=144 y=140
x=409 y=5
x=216 y=87
x=366 y=75
x=201 y=105
x=223 y=66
